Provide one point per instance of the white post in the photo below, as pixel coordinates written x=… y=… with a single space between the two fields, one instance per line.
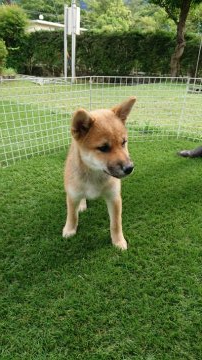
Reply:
x=73 y=28
x=197 y=63
x=65 y=40
x=73 y=39
x=183 y=108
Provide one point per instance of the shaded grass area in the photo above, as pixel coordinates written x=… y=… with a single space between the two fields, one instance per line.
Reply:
x=81 y=298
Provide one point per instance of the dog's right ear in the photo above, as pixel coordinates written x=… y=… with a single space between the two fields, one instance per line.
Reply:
x=81 y=123
x=123 y=110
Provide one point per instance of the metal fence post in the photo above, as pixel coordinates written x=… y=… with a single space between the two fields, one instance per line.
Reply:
x=90 y=92
x=183 y=108
x=65 y=41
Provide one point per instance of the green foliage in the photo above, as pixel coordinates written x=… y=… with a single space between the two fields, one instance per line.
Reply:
x=190 y=56
x=51 y=10
x=132 y=51
x=43 y=53
x=194 y=20
x=178 y=11
x=107 y=16
x=103 y=54
x=12 y=24
x=173 y=7
x=3 y=54
x=148 y=17
x=13 y=21
x=97 y=57
x=10 y=72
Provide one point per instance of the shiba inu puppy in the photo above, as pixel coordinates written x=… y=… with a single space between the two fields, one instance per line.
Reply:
x=98 y=158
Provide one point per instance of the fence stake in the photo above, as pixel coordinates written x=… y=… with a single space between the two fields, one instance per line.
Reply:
x=183 y=108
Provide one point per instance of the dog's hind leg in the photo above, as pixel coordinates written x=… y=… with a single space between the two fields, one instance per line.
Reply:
x=72 y=217
x=82 y=205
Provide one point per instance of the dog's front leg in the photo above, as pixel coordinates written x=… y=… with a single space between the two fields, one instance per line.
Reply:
x=115 y=213
x=72 y=217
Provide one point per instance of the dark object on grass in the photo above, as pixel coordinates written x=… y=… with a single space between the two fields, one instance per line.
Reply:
x=192 y=153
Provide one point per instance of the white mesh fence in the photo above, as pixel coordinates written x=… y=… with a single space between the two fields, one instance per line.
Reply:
x=35 y=113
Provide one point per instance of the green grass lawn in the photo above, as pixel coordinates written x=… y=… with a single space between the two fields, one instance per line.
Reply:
x=81 y=298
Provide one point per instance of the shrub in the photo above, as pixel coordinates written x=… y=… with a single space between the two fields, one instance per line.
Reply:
x=9 y=72
x=12 y=24
x=190 y=56
x=3 y=55
x=103 y=54
x=13 y=21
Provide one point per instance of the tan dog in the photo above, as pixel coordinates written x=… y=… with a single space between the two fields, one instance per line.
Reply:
x=98 y=158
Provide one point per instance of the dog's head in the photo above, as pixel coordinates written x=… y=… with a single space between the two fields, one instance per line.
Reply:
x=102 y=138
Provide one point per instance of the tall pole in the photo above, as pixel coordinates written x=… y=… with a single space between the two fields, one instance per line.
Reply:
x=73 y=39
x=199 y=53
x=65 y=40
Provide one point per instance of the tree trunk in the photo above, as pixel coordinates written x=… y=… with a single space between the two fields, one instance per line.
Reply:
x=181 y=43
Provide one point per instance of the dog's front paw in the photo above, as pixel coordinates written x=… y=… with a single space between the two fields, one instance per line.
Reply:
x=68 y=232
x=121 y=244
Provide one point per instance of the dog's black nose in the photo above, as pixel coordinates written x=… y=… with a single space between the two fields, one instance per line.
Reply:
x=128 y=169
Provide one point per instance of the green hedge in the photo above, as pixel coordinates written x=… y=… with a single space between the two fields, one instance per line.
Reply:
x=41 y=53
x=3 y=54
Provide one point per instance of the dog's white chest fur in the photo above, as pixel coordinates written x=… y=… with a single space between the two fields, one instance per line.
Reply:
x=92 y=191
x=88 y=191
x=89 y=186
x=94 y=185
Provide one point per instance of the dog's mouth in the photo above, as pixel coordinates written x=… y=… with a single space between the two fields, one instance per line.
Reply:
x=120 y=172
x=114 y=175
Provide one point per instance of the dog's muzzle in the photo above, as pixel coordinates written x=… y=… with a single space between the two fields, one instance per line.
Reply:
x=119 y=171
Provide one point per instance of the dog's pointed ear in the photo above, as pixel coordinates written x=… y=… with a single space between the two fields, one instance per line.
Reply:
x=81 y=124
x=123 y=110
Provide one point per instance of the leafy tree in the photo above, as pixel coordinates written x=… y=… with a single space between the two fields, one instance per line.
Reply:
x=178 y=11
x=194 y=19
x=51 y=10
x=147 y=17
x=107 y=16
x=13 y=21
x=3 y=54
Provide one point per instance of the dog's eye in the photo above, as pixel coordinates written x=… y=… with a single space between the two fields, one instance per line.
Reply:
x=104 y=148
x=124 y=142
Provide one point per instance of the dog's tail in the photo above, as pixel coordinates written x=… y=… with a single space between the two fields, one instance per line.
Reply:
x=191 y=153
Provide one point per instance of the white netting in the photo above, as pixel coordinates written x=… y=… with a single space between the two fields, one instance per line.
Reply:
x=35 y=113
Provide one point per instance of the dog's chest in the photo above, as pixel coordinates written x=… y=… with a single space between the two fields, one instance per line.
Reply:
x=89 y=186
x=92 y=189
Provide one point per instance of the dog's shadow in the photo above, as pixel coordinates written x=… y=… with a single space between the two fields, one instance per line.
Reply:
x=93 y=233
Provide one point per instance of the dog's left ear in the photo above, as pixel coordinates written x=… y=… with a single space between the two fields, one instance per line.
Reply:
x=123 y=110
